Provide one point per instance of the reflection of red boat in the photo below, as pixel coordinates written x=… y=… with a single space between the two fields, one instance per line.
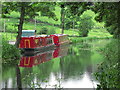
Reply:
x=29 y=61
x=30 y=41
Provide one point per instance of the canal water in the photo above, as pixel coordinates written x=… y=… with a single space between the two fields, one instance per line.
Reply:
x=71 y=66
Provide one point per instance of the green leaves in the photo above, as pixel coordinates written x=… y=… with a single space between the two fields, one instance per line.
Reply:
x=9 y=51
x=31 y=8
x=86 y=24
x=108 y=72
x=108 y=13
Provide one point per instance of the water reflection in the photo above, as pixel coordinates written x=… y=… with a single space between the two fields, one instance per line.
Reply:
x=29 y=60
x=68 y=67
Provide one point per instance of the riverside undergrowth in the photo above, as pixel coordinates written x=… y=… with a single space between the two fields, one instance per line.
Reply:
x=108 y=72
x=9 y=52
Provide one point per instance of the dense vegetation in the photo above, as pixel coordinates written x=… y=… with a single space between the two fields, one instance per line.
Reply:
x=108 y=72
x=109 y=13
x=9 y=52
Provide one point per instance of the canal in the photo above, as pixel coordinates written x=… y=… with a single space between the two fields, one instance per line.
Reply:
x=71 y=66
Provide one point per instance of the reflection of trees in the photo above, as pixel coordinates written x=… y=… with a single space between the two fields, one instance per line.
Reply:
x=74 y=65
x=45 y=70
x=40 y=72
x=109 y=71
x=8 y=71
x=25 y=76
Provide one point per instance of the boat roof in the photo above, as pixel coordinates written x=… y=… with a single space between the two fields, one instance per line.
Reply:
x=42 y=35
x=28 y=31
x=60 y=34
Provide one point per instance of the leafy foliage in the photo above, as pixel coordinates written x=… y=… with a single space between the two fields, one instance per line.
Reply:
x=9 y=51
x=108 y=72
x=86 y=24
x=72 y=11
x=31 y=8
x=109 y=13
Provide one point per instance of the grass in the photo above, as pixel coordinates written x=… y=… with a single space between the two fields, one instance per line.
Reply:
x=82 y=39
x=101 y=33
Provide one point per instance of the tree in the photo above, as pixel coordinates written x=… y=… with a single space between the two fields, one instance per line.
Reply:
x=86 y=24
x=109 y=13
x=70 y=13
x=29 y=9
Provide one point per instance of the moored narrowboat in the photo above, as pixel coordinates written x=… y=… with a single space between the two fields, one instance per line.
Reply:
x=30 y=40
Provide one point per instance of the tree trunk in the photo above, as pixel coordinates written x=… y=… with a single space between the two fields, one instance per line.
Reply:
x=20 y=26
x=18 y=74
x=62 y=18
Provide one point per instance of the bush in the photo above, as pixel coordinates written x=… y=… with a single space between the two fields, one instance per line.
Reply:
x=108 y=72
x=85 y=25
x=9 y=51
x=11 y=28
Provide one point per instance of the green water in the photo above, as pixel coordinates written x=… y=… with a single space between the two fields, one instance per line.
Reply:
x=73 y=69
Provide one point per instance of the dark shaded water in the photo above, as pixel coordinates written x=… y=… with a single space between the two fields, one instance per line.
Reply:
x=66 y=67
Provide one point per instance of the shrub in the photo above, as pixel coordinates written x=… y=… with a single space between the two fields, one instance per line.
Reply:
x=108 y=72
x=9 y=51
x=11 y=28
x=85 y=25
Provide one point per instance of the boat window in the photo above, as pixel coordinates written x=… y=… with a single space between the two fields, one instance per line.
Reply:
x=40 y=42
x=28 y=34
x=49 y=41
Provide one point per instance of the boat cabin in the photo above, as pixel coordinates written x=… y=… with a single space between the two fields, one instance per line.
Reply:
x=30 y=40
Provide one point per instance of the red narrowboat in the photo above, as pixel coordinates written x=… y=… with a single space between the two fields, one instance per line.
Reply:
x=30 y=40
x=30 y=61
